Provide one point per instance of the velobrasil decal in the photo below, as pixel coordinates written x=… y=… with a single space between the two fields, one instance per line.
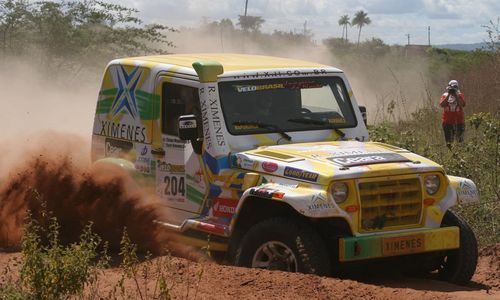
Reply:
x=368 y=159
x=301 y=174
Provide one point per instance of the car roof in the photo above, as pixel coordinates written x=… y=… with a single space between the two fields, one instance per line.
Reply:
x=231 y=61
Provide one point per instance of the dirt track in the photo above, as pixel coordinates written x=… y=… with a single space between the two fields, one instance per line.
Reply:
x=227 y=282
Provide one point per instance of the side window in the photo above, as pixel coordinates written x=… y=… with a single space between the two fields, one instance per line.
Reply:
x=178 y=100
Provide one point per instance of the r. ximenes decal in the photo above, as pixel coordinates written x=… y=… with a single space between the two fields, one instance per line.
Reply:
x=125 y=99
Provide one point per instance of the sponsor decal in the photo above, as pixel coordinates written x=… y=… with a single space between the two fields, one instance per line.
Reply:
x=174 y=143
x=253 y=88
x=170 y=168
x=245 y=127
x=211 y=115
x=224 y=207
x=336 y=121
x=319 y=202
x=297 y=85
x=186 y=124
x=144 y=150
x=269 y=166
x=243 y=162
x=123 y=131
x=403 y=244
x=143 y=163
x=318 y=197
x=280 y=73
x=197 y=178
x=125 y=94
x=117 y=148
x=320 y=206
x=368 y=159
x=267 y=193
x=301 y=174
x=467 y=192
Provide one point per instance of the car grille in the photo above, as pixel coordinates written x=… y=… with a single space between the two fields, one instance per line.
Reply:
x=390 y=203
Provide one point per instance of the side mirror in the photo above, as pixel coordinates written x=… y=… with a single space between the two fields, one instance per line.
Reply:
x=363 y=114
x=188 y=129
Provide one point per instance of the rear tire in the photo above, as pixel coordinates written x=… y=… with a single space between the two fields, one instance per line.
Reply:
x=458 y=266
x=286 y=245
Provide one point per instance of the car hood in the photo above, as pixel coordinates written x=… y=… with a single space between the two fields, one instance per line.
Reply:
x=324 y=161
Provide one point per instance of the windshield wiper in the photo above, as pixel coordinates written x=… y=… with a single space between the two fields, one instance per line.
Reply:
x=317 y=122
x=265 y=125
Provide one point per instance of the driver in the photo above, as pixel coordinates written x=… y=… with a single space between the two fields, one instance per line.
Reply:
x=263 y=105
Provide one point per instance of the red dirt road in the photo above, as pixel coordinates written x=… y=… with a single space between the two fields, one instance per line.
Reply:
x=189 y=280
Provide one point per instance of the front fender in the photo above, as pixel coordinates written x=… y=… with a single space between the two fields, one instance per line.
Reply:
x=467 y=192
x=135 y=178
x=313 y=202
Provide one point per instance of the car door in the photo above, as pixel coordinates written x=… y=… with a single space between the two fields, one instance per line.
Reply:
x=180 y=178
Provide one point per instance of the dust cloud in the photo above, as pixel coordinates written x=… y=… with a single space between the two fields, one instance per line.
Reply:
x=46 y=126
x=55 y=175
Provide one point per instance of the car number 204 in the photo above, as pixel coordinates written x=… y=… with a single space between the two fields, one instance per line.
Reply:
x=174 y=186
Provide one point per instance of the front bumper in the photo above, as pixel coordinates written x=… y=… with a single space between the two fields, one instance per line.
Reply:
x=395 y=244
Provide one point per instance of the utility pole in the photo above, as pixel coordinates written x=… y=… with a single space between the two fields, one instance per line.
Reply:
x=429 y=35
x=305 y=27
x=408 y=35
x=243 y=36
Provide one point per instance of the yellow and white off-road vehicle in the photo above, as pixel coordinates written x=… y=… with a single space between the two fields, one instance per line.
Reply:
x=269 y=159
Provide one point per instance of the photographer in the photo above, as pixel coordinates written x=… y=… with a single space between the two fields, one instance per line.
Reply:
x=453 y=103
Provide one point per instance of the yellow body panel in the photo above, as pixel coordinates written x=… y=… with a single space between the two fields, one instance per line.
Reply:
x=231 y=62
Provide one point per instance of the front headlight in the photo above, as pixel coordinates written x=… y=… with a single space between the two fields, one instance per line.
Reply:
x=432 y=183
x=339 y=192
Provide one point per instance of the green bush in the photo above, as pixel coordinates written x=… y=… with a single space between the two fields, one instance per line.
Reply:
x=49 y=270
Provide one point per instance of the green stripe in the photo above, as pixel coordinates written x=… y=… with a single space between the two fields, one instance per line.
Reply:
x=370 y=247
x=147 y=103
x=104 y=106
x=194 y=195
x=156 y=107
x=108 y=92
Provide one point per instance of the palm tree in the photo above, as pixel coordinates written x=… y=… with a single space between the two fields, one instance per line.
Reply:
x=344 y=21
x=360 y=19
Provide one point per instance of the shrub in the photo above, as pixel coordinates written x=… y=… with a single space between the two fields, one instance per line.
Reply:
x=49 y=270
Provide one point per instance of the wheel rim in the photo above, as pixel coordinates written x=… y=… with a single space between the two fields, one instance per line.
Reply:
x=274 y=255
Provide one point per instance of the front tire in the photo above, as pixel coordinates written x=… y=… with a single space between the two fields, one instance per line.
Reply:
x=286 y=245
x=458 y=266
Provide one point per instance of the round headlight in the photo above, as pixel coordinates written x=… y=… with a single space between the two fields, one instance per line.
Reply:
x=432 y=183
x=339 y=192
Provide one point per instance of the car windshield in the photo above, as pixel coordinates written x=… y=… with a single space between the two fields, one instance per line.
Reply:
x=291 y=104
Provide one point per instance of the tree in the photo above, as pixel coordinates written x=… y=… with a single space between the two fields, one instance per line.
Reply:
x=250 y=22
x=344 y=21
x=76 y=34
x=14 y=20
x=360 y=19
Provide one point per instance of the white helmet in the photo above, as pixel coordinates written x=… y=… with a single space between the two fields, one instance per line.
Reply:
x=453 y=83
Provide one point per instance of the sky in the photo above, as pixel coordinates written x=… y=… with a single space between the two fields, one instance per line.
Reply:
x=451 y=21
